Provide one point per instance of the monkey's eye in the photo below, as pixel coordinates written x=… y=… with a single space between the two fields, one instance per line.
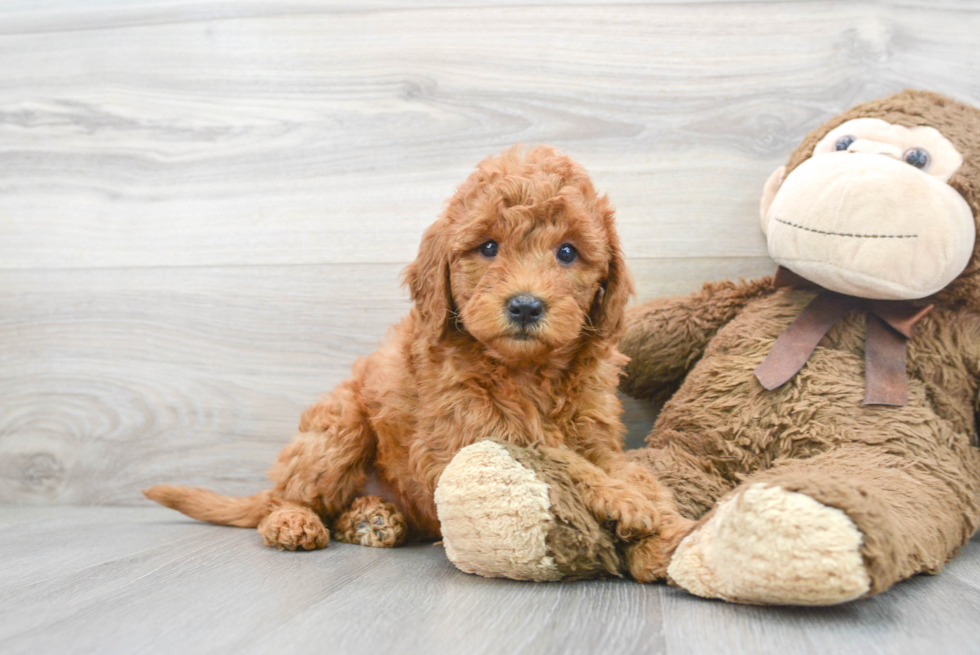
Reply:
x=844 y=142
x=916 y=157
x=566 y=253
x=489 y=249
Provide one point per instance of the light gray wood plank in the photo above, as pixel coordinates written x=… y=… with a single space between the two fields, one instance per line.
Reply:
x=112 y=382
x=197 y=374
x=203 y=210
x=151 y=145
x=131 y=574
x=30 y=16
x=145 y=580
x=452 y=612
x=334 y=135
x=124 y=584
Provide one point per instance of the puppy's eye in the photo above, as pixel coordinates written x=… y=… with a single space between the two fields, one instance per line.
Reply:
x=916 y=157
x=844 y=142
x=489 y=249
x=566 y=253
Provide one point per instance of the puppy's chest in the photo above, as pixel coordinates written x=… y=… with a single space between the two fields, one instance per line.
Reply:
x=528 y=411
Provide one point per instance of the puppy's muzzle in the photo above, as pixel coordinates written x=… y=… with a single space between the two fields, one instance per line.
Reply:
x=524 y=310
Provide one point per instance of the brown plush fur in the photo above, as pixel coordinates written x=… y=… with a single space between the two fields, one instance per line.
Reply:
x=908 y=477
x=455 y=371
x=580 y=545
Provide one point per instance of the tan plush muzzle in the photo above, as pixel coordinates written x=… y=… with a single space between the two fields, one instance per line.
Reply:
x=870 y=225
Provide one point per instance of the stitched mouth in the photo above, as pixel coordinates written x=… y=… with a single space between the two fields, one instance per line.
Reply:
x=853 y=235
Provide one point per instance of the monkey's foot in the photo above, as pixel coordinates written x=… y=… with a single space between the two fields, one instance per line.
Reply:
x=768 y=546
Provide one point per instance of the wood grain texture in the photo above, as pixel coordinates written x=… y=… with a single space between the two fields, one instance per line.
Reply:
x=145 y=580
x=335 y=135
x=116 y=381
x=204 y=207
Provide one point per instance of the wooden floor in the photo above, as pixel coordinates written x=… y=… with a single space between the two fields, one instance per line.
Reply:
x=204 y=209
x=145 y=580
x=205 y=206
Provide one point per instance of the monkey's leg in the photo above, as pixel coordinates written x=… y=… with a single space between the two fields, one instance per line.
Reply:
x=630 y=496
x=844 y=524
x=513 y=512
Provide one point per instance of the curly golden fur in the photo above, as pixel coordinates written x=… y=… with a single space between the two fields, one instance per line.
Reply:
x=458 y=369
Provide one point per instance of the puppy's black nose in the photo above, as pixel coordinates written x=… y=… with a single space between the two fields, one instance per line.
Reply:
x=525 y=309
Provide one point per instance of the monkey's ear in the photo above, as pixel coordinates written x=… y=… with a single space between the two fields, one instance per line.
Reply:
x=428 y=282
x=769 y=193
x=609 y=306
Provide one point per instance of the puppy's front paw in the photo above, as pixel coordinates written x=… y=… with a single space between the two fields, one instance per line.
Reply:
x=648 y=559
x=635 y=517
x=294 y=527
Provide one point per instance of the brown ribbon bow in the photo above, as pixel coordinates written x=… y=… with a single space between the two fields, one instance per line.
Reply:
x=890 y=325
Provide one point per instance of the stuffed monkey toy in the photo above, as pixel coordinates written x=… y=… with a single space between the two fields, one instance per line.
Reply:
x=823 y=431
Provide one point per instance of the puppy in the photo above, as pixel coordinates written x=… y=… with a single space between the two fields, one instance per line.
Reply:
x=518 y=296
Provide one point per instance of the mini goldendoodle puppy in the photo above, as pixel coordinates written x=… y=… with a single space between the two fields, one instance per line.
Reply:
x=519 y=291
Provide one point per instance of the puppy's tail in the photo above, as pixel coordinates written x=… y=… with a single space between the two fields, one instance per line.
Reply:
x=212 y=507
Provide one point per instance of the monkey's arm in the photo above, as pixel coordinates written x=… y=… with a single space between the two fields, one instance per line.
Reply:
x=665 y=337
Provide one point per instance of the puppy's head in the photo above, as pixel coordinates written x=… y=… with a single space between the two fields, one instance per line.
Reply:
x=525 y=259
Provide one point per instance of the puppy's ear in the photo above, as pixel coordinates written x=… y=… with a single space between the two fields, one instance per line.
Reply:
x=428 y=282
x=609 y=306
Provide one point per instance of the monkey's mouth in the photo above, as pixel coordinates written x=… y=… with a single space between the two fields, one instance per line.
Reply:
x=852 y=235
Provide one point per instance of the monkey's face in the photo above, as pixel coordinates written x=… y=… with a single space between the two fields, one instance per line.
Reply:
x=871 y=213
